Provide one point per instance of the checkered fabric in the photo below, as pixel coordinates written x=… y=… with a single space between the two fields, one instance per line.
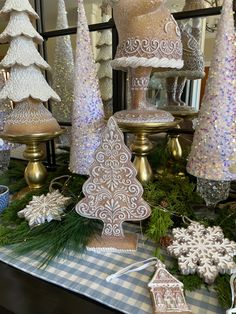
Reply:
x=87 y=274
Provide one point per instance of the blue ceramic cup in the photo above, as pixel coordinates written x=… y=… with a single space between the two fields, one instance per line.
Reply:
x=4 y=197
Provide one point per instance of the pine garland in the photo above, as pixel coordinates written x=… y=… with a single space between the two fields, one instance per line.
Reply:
x=223 y=290
x=159 y=224
x=176 y=194
x=71 y=233
x=171 y=197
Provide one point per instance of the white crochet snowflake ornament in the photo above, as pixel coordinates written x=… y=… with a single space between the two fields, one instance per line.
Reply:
x=44 y=208
x=204 y=251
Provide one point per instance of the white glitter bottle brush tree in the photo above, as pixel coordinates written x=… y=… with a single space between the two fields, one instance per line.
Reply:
x=63 y=73
x=26 y=86
x=88 y=112
x=103 y=59
x=214 y=144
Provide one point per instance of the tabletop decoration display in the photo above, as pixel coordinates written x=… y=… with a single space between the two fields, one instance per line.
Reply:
x=112 y=193
x=63 y=73
x=88 y=112
x=45 y=208
x=214 y=143
x=103 y=60
x=167 y=293
x=30 y=122
x=172 y=197
x=204 y=251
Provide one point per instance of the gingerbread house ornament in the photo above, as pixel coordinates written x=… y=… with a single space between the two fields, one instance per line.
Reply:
x=167 y=293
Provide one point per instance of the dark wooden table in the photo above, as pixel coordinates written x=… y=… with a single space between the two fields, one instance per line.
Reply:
x=21 y=293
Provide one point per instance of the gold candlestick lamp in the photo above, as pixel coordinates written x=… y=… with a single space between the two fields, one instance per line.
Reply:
x=35 y=172
x=142 y=145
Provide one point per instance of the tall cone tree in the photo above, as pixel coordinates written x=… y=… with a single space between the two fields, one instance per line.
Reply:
x=88 y=113
x=214 y=143
x=63 y=69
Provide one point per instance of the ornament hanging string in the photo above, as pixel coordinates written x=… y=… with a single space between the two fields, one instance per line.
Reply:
x=55 y=182
x=232 y=310
x=187 y=220
x=62 y=186
x=133 y=268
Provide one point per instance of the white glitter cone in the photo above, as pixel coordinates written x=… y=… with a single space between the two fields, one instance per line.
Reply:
x=214 y=143
x=88 y=114
x=63 y=69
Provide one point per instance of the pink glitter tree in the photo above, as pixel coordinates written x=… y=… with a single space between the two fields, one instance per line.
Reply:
x=88 y=113
x=214 y=144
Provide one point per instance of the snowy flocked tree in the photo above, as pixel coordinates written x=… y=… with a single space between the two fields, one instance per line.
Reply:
x=26 y=86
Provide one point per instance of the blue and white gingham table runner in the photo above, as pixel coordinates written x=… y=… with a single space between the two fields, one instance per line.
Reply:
x=87 y=274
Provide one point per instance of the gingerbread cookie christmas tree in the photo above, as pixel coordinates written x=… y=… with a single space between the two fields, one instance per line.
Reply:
x=112 y=193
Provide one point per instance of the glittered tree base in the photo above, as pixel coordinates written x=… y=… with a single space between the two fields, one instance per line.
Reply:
x=144 y=115
x=30 y=117
x=180 y=111
x=113 y=244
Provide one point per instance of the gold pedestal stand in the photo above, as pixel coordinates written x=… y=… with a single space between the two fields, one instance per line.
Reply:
x=142 y=146
x=35 y=172
x=174 y=146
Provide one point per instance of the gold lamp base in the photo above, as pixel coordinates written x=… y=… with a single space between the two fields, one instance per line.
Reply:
x=35 y=172
x=142 y=146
